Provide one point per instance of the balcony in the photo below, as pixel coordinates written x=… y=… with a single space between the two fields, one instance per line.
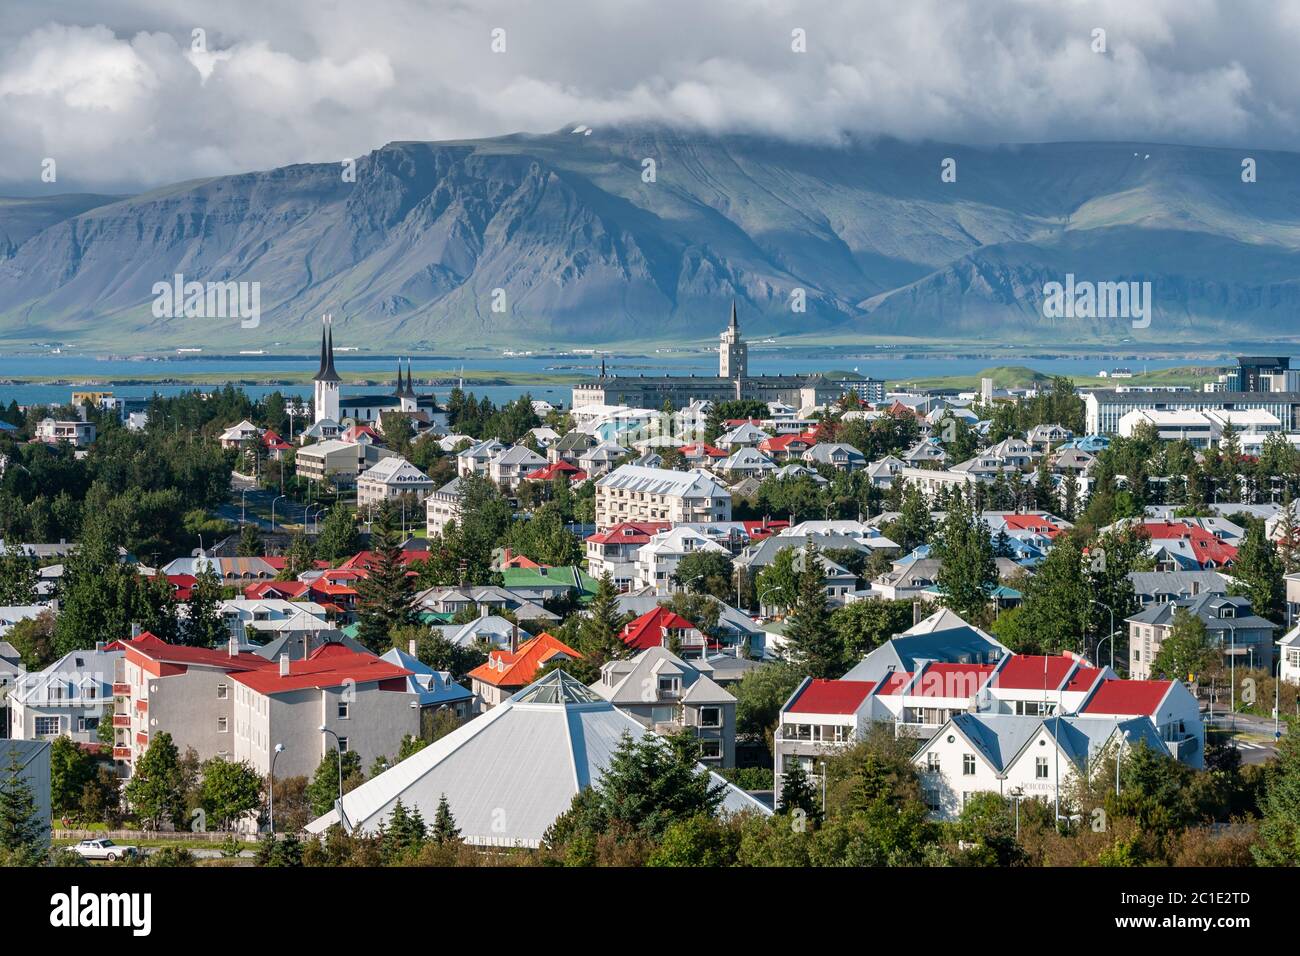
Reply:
x=121 y=753
x=121 y=720
x=121 y=690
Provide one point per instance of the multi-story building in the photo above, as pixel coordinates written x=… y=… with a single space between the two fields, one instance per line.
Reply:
x=657 y=560
x=68 y=698
x=614 y=550
x=667 y=694
x=1105 y=407
x=339 y=462
x=442 y=507
x=635 y=493
x=366 y=701
x=1237 y=632
x=508 y=468
x=235 y=704
x=391 y=478
x=79 y=434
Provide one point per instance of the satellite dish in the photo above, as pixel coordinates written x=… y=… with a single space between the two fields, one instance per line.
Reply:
x=348 y=422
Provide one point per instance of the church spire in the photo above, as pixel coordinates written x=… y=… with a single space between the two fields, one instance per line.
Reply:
x=326 y=373
x=734 y=326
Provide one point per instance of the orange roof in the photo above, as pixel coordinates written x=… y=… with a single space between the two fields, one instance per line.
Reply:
x=517 y=668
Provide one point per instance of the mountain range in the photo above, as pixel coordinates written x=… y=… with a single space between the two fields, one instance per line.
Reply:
x=575 y=238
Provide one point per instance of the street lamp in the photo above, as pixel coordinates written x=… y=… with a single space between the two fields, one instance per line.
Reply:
x=243 y=492
x=338 y=743
x=1111 y=636
x=273 y=501
x=823 y=766
x=1017 y=794
x=270 y=790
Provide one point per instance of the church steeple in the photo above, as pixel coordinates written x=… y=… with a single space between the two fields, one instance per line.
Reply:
x=326 y=373
x=325 y=393
x=735 y=327
x=733 y=354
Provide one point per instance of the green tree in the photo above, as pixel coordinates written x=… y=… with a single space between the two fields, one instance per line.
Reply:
x=1258 y=574
x=156 y=790
x=34 y=639
x=203 y=625
x=987 y=825
x=777 y=584
x=18 y=577
x=1186 y=650
x=23 y=834
x=444 y=824
x=250 y=542
x=323 y=790
x=599 y=633
x=1279 y=826
x=71 y=768
x=701 y=840
x=1056 y=610
x=384 y=595
x=229 y=790
x=864 y=625
x=968 y=571
x=812 y=643
x=338 y=536
x=648 y=785
x=797 y=793
x=705 y=572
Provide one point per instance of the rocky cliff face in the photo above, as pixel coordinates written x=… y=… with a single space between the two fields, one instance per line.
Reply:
x=561 y=238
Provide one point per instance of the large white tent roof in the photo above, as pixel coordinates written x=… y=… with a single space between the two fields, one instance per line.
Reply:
x=510 y=772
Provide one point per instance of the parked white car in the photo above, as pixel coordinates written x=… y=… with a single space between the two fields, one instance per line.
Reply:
x=103 y=850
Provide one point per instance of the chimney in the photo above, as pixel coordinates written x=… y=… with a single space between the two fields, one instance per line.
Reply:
x=284 y=665
x=410 y=647
x=916 y=613
x=306 y=644
x=135 y=630
x=233 y=646
x=514 y=638
x=99 y=645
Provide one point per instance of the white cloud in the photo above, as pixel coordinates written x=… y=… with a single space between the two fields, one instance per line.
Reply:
x=121 y=98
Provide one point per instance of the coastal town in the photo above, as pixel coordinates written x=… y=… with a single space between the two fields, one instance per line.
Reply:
x=743 y=620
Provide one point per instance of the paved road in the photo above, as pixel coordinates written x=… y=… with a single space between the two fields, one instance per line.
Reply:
x=1253 y=735
x=257 y=507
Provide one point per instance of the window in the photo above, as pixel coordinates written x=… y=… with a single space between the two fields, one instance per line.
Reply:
x=932 y=761
x=222 y=725
x=222 y=692
x=932 y=801
x=1040 y=768
x=343 y=744
x=968 y=765
x=343 y=710
x=711 y=749
x=47 y=726
x=710 y=716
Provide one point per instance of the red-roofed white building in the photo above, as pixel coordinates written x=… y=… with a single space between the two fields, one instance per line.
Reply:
x=614 y=550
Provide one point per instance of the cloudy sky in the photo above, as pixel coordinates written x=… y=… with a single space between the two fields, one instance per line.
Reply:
x=117 y=94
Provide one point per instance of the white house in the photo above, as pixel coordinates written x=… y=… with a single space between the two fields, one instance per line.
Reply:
x=657 y=560
x=391 y=478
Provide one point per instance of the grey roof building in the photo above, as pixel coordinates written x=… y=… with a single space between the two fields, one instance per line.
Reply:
x=1233 y=628
x=941 y=637
x=508 y=773
x=667 y=694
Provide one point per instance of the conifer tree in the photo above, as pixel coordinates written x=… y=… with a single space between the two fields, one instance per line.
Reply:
x=813 y=643
x=797 y=793
x=444 y=824
x=384 y=595
x=22 y=832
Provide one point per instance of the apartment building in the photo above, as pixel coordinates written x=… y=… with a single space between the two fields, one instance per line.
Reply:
x=1234 y=629
x=636 y=493
x=366 y=701
x=337 y=461
x=614 y=550
x=391 y=478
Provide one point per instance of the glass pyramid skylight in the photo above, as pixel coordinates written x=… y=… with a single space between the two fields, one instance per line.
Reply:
x=557 y=687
